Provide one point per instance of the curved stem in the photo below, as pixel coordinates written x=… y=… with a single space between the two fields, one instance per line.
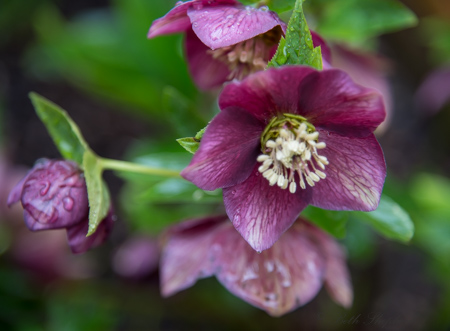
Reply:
x=137 y=168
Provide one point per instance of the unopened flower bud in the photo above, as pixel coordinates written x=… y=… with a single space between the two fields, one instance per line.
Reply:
x=53 y=195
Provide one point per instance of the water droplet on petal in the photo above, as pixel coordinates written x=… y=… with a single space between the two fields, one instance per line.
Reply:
x=45 y=188
x=68 y=203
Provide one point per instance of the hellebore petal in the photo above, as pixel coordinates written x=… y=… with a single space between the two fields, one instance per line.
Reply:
x=206 y=71
x=186 y=256
x=260 y=212
x=355 y=175
x=223 y=26
x=278 y=280
x=177 y=20
x=266 y=93
x=332 y=101
x=228 y=151
x=53 y=195
x=76 y=234
x=434 y=91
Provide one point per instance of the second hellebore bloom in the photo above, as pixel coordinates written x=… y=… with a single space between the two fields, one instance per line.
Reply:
x=286 y=138
x=54 y=196
x=278 y=280
x=224 y=39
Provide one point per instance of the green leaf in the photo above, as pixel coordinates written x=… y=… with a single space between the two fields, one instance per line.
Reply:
x=191 y=144
x=390 y=220
x=98 y=194
x=64 y=132
x=280 y=6
x=297 y=48
x=331 y=221
x=431 y=192
x=357 y=20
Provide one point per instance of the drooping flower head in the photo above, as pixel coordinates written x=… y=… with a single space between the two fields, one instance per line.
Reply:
x=286 y=138
x=224 y=39
x=280 y=279
x=54 y=196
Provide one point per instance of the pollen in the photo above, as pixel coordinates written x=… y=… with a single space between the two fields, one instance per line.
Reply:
x=291 y=150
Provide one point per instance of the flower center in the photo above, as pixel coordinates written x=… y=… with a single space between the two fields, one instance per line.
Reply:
x=249 y=56
x=290 y=146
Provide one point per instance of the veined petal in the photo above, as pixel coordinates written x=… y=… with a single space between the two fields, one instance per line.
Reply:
x=260 y=212
x=266 y=93
x=223 y=26
x=330 y=100
x=187 y=253
x=177 y=20
x=278 y=280
x=355 y=174
x=206 y=71
x=227 y=152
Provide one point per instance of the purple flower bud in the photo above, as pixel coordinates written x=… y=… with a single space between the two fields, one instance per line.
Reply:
x=76 y=234
x=53 y=195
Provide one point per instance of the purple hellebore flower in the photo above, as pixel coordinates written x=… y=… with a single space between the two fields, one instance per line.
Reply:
x=54 y=196
x=286 y=138
x=224 y=39
x=278 y=280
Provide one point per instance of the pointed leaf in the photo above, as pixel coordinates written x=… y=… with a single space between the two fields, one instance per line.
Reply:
x=333 y=222
x=390 y=220
x=297 y=48
x=98 y=194
x=191 y=144
x=64 y=132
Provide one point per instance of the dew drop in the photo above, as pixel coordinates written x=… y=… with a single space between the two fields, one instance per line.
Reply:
x=237 y=220
x=233 y=192
x=264 y=8
x=68 y=203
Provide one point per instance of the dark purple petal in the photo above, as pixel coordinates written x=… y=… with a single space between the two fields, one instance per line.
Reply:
x=278 y=280
x=187 y=253
x=206 y=71
x=337 y=276
x=266 y=93
x=76 y=234
x=260 y=212
x=177 y=20
x=223 y=26
x=366 y=69
x=355 y=175
x=227 y=152
x=330 y=100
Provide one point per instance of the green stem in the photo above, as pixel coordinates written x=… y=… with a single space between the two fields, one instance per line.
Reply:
x=137 y=168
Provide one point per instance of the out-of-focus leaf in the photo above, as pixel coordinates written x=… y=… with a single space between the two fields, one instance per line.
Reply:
x=98 y=194
x=106 y=53
x=64 y=132
x=181 y=112
x=436 y=33
x=331 y=221
x=297 y=48
x=390 y=220
x=191 y=144
x=280 y=6
x=431 y=192
x=360 y=242
x=151 y=204
x=356 y=20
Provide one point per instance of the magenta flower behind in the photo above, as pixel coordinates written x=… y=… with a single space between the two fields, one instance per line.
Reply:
x=224 y=39
x=53 y=195
x=280 y=279
x=286 y=138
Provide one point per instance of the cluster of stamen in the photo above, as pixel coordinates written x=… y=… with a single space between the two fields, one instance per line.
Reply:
x=249 y=56
x=292 y=148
